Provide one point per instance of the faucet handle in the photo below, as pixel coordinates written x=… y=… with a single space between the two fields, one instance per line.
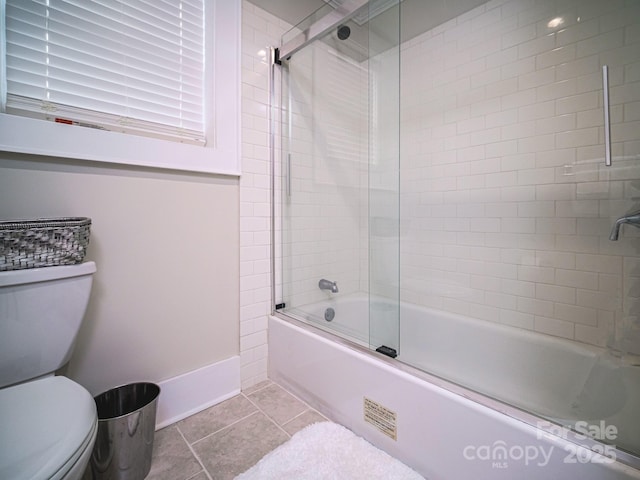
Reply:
x=631 y=219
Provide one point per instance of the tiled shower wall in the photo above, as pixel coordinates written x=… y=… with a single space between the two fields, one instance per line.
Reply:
x=260 y=30
x=506 y=203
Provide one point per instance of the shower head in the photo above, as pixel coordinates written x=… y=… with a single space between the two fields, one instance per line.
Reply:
x=344 y=32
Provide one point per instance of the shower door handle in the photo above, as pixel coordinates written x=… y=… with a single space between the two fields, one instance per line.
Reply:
x=607 y=120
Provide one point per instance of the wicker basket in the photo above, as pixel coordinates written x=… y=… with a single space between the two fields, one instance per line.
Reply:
x=45 y=242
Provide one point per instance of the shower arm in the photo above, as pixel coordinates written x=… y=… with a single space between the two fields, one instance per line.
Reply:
x=631 y=219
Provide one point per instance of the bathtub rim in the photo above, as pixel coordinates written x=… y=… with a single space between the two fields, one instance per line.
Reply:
x=493 y=404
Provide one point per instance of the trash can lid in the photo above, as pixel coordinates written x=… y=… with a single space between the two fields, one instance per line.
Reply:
x=43 y=424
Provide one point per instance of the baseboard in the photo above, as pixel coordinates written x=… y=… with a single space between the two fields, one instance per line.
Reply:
x=197 y=390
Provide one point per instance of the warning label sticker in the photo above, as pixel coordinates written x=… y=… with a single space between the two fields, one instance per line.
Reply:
x=380 y=417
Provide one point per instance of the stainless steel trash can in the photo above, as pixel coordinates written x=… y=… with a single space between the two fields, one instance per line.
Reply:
x=126 y=425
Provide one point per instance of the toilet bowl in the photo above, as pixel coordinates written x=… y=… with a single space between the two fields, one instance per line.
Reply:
x=48 y=423
x=47 y=428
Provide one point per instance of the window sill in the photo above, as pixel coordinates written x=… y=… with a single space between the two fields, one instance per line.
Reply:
x=40 y=137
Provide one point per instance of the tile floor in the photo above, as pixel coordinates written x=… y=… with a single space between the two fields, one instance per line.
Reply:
x=227 y=439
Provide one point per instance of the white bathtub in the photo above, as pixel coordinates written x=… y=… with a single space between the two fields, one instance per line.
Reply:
x=450 y=432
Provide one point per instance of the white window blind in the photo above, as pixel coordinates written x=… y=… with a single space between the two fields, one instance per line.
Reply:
x=131 y=66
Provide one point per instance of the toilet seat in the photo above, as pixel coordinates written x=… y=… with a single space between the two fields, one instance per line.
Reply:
x=45 y=427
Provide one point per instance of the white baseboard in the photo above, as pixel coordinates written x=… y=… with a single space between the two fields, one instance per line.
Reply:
x=197 y=390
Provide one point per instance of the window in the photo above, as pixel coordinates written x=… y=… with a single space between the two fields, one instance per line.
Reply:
x=135 y=71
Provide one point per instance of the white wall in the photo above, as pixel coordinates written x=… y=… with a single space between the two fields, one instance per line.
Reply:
x=165 y=296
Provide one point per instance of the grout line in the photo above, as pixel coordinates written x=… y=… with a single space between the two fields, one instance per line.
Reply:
x=195 y=455
x=309 y=407
x=268 y=417
x=259 y=389
x=224 y=428
x=299 y=415
x=204 y=470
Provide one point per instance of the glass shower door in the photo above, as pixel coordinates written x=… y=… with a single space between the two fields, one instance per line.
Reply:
x=339 y=178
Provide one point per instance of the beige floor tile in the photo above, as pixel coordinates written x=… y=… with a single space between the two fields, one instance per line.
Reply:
x=307 y=418
x=211 y=420
x=238 y=447
x=277 y=403
x=172 y=458
x=257 y=386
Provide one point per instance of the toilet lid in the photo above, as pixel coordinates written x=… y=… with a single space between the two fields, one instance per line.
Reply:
x=42 y=425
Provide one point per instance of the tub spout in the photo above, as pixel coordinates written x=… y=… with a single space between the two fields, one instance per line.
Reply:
x=631 y=219
x=328 y=285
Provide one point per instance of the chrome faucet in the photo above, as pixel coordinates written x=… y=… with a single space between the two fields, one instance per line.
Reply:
x=631 y=219
x=328 y=285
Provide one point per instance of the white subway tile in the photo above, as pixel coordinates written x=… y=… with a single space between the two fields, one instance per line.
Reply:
x=578 y=208
x=489 y=135
x=625 y=93
x=517 y=256
x=552 y=326
x=519 y=225
x=536 y=209
x=565 y=191
x=577 y=138
x=577 y=68
x=577 y=32
x=538 y=240
x=566 y=260
x=536 y=46
x=577 y=243
x=598 y=300
x=536 y=110
x=599 y=263
x=556 y=293
x=488 y=165
x=578 y=279
x=518 y=288
x=518 y=161
x=557 y=90
x=597 y=336
x=501 y=209
x=485 y=224
x=539 y=143
x=561 y=123
x=632 y=112
x=536 y=274
x=541 y=76
x=578 y=103
x=536 y=176
x=519 y=36
x=564 y=226
x=594 y=226
x=517 y=319
x=485 y=283
x=612 y=284
x=600 y=43
x=502 y=179
x=501 y=300
x=534 y=307
x=518 y=130
x=518 y=99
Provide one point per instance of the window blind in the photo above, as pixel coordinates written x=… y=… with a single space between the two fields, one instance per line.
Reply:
x=134 y=66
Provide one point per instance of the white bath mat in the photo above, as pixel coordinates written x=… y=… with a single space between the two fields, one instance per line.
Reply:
x=328 y=451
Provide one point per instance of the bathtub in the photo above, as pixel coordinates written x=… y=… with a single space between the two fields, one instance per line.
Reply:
x=457 y=421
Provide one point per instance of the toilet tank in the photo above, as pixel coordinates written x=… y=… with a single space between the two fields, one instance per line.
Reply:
x=41 y=310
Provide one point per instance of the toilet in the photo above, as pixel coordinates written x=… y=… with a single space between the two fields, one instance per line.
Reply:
x=48 y=423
